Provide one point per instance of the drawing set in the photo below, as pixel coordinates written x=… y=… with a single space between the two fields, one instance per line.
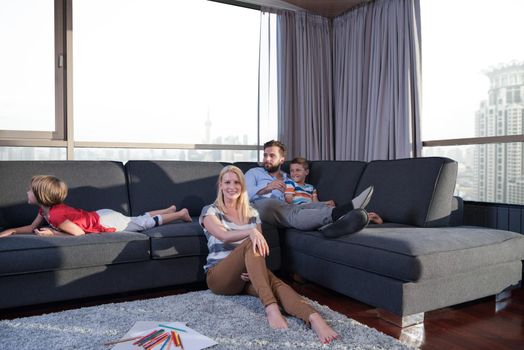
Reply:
x=156 y=338
x=151 y=335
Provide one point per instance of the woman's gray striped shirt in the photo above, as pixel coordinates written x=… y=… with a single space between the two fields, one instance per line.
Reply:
x=218 y=250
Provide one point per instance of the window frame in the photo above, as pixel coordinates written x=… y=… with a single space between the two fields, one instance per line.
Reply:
x=474 y=140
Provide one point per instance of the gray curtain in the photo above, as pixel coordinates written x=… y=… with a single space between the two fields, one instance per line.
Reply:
x=376 y=79
x=305 y=85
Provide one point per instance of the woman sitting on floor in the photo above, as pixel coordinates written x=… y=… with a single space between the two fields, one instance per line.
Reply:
x=236 y=262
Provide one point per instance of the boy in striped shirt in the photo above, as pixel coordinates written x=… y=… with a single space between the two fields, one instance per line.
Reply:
x=299 y=192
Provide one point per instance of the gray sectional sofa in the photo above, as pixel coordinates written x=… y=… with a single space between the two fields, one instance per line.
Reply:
x=416 y=262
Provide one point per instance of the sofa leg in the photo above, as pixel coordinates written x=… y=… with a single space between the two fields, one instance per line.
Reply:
x=506 y=293
x=502 y=298
x=413 y=336
x=401 y=321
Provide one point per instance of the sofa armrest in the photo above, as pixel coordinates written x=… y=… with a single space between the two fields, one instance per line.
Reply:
x=457 y=212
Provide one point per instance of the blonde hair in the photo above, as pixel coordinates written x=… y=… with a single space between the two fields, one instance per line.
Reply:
x=48 y=190
x=243 y=206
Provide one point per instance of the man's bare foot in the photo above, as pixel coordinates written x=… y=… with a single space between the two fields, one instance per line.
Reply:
x=186 y=217
x=275 y=318
x=324 y=332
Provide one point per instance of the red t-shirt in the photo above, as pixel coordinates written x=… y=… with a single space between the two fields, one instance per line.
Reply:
x=89 y=221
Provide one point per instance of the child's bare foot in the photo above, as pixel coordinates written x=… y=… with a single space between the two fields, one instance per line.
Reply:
x=185 y=215
x=375 y=218
x=324 y=332
x=171 y=209
x=275 y=318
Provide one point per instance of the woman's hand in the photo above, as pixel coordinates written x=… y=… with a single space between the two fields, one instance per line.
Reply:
x=259 y=243
x=244 y=276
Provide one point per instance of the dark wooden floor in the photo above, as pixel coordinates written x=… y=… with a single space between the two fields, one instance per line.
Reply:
x=482 y=324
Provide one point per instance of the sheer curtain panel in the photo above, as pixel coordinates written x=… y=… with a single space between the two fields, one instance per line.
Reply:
x=376 y=75
x=305 y=85
x=267 y=78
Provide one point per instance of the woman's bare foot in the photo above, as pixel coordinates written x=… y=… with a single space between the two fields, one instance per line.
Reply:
x=324 y=332
x=185 y=215
x=275 y=318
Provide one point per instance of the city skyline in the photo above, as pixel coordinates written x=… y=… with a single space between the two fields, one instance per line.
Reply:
x=498 y=167
x=493 y=172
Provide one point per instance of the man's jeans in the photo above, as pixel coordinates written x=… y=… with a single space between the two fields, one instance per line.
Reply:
x=301 y=216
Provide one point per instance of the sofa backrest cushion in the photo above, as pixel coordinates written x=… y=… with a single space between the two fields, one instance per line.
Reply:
x=159 y=184
x=336 y=180
x=245 y=166
x=416 y=191
x=92 y=185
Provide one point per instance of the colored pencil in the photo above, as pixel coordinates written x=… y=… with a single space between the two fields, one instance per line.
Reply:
x=180 y=341
x=176 y=329
x=166 y=342
x=142 y=339
x=151 y=341
x=169 y=343
x=156 y=341
x=174 y=338
x=112 y=342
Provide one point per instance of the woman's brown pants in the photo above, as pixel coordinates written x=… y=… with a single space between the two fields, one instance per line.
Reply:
x=224 y=278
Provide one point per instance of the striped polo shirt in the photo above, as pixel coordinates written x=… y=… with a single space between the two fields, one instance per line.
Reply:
x=302 y=194
x=218 y=250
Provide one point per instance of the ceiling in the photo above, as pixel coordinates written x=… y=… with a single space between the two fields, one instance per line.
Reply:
x=327 y=8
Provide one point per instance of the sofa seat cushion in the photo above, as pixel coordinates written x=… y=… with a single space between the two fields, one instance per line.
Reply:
x=21 y=254
x=188 y=239
x=413 y=253
x=177 y=240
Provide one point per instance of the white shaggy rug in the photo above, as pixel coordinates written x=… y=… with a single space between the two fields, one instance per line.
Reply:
x=235 y=322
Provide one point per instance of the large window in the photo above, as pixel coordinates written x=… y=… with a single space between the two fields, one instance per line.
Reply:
x=165 y=71
x=473 y=92
x=120 y=79
x=27 y=75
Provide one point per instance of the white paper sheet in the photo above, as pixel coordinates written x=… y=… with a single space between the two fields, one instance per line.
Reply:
x=191 y=339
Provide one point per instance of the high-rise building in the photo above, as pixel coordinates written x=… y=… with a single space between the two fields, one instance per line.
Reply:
x=499 y=168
